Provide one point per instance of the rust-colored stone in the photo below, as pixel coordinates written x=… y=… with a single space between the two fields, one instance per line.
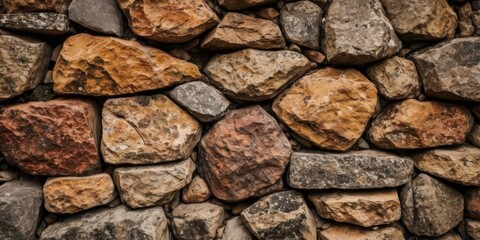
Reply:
x=59 y=6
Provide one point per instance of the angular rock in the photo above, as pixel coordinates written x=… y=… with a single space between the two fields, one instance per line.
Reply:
x=412 y=124
x=243 y=154
x=53 y=24
x=301 y=23
x=119 y=222
x=59 y=6
x=197 y=191
x=342 y=232
x=353 y=170
x=255 y=75
x=237 y=31
x=197 y=221
x=169 y=20
x=474 y=135
x=449 y=69
x=152 y=185
x=147 y=129
x=235 y=230
x=57 y=137
x=330 y=107
x=429 y=207
x=473 y=228
x=106 y=66
x=282 y=215
x=98 y=15
x=23 y=62
x=233 y=5
x=357 y=32
x=420 y=20
x=203 y=101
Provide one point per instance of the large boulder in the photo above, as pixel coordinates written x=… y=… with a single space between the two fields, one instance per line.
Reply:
x=53 y=24
x=301 y=22
x=197 y=221
x=99 y=15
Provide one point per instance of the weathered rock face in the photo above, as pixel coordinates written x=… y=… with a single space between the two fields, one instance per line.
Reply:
x=242 y=4
x=42 y=23
x=413 y=124
x=474 y=135
x=197 y=221
x=301 y=23
x=235 y=230
x=353 y=170
x=429 y=207
x=112 y=223
x=243 y=153
x=282 y=215
x=152 y=185
x=473 y=228
x=421 y=19
x=196 y=192
x=364 y=208
x=75 y=194
x=99 y=15
x=342 y=232
x=20 y=203
x=237 y=31
x=472 y=202
x=255 y=75
x=94 y=65
x=29 y=137
x=329 y=107
x=59 y=6
x=24 y=62
x=357 y=32
x=449 y=70
x=147 y=129
x=169 y=20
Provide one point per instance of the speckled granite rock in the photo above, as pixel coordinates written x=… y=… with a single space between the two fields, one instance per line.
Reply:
x=197 y=191
x=99 y=15
x=301 y=23
x=59 y=6
x=236 y=230
x=53 y=24
x=342 y=232
x=197 y=221
x=242 y=4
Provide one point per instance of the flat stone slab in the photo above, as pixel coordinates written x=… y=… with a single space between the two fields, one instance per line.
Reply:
x=53 y=24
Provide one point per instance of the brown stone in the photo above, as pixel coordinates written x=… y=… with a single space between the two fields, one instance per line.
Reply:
x=94 y=65
x=473 y=228
x=343 y=232
x=314 y=56
x=57 y=137
x=242 y=4
x=474 y=135
x=465 y=24
x=197 y=221
x=267 y=13
x=59 y=6
x=472 y=202
x=197 y=191
x=330 y=107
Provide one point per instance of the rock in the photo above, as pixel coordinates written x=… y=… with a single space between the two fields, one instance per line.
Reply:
x=169 y=20
x=474 y=135
x=20 y=203
x=119 y=222
x=282 y=215
x=473 y=228
x=235 y=230
x=267 y=13
x=98 y=15
x=107 y=66
x=255 y=75
x=341 y=232
x=472 y=202
x=59 y=6
x=196 y=192
x=243 y=154
x=301 y=23
x=330 y=107
x=465 y=23
x=365 y=208
x=57 y=137
x=24 y=62
x=53 y=24
x=357 y=32
x=448 y=236
x=237 y=31
x=139 y=186
x=314 y=56
x=476 y=20
x=421 y=20
x=75 y=194
x=233 y=5
x=429 y=207
x=7 y=176
x=449 y=69
x=203 y=101
x=197 y=221
x=396 y=78
x=147 y=129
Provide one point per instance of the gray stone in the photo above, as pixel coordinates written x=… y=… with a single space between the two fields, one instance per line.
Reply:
x=99 y=15
x=197 y=221
x=301 y=23
x=235 y=230
x=53 y=24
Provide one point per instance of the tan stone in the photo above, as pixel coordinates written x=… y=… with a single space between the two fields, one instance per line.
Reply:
x=473 y=228
x=474 y=135
x=197 y=221
x=472 y=202
x=330 y=107
x=197 y=191
x=59 y=6
x=267 y=13
x=343 y=232
x=242 y=4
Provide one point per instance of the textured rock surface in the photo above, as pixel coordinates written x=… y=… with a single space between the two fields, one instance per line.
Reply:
x=282 y=215
x=243 y=153
x=147 y=129
x=329 y=107
x=197 y=221
x=41 y=23
x=59 y=6
x=412 y=124
x=472 y=202
x=353 y=170
x=474 y=135
x=255 y=75
x=429 y=207
x=29 y=137
x=449 y=70
x=235 y=230
x=301 y=23
x=94 y=65
x=473 y=228
x=197 y=191
x=99 y=15
x=152 y=185
x=342 y=232
x=237 y=31
x=169 y=20
x=242 y=4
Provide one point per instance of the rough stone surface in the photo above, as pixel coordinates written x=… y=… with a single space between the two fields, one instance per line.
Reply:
x=465 y=24
x=196 y=192
x=330 y=107
x=450 y=69
x=112 y=223
x=342 y=232
x=57 y=137
x=473 y=228
x=59 y=6
x=147 y=129
x=94 y=65
x=429 y=207
x=235 y=230
x=474 y=135
x=353 y=170
x=472 y=202
x=243 y=154
x=99 y=15
x=357 y=32
x=152 y=185
x=255 y=75
x=237 y=31
x=197 y=221
x=282 y=215
x=301 y=23
x=242 y=4
x=41 y=23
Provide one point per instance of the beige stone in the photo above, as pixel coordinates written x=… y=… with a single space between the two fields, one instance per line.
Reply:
x=197 y=221
x=473 y=228
x=343 y=232
x=197 y=191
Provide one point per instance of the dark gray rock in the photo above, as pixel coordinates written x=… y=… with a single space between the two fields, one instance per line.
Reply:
x=301 y=23
x=197 y=221
x=42 y=23
x=99 y=15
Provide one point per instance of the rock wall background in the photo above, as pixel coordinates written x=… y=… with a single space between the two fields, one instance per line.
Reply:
x=239 y=119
